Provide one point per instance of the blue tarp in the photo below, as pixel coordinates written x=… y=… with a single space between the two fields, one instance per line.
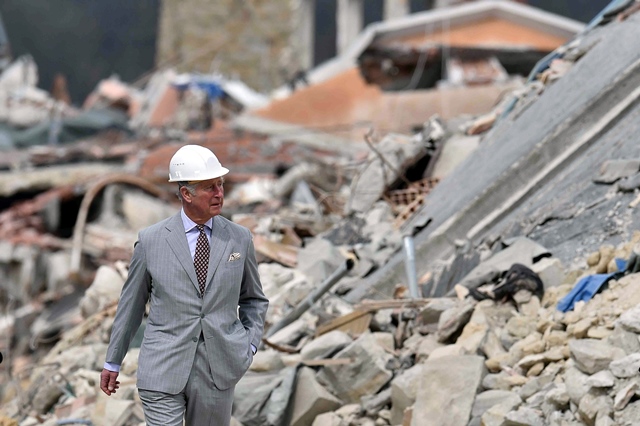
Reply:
x=588 y=286
x=210 y=87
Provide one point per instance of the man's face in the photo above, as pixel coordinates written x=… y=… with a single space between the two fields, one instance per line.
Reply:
x=207 y=201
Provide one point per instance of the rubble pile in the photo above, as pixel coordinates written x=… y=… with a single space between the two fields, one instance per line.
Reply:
x=387 y=362
x=78 y=184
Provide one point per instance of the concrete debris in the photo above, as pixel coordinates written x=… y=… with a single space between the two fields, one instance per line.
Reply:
x=345 y=343
x=614 y=170
x=311 y=399
x=385 y=164
x=390 y=382
x=461 y=377
x=366 y=376
x=578 y=377
x=103 y=292
x=326 y=345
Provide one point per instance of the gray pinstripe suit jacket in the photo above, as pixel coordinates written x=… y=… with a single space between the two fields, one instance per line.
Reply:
x=230 y=315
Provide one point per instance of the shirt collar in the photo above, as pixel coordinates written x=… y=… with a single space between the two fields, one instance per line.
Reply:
x=189 y=224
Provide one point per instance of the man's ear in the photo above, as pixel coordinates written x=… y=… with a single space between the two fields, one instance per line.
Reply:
x=186 y=195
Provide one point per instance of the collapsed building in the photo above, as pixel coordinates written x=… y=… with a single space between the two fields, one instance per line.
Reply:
x=549 y=181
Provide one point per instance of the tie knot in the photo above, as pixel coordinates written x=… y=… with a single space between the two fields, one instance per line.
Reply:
x=200 y=228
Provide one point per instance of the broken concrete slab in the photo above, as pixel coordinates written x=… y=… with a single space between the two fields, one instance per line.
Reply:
x=254 y=391
x=625 y=367
x=319 y=259
x=52 y=176
x=613 y=170
x=487 y=399
x=328 y=419
x=103 y=292
x=140 y=209
x=366 y=375
x=404 y=389
x=448 y=382
x=58 y=271
x=454 y=151
x=266 y=360
x=591 y=355
x=310 y=399
x=326 y=345
x=453 y=320
x=384 y=165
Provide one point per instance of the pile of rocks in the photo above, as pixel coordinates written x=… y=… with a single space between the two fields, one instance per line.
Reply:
x=461 y=362
x=441 y=361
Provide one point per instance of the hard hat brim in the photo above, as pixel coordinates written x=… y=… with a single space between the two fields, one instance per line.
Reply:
x=224 y=171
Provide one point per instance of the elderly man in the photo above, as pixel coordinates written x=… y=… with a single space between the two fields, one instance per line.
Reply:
x=199 y=274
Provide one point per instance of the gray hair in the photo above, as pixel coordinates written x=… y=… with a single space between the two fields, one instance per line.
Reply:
x=191 y=187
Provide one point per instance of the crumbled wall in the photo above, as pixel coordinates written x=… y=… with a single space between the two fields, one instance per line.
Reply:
x=237 y=38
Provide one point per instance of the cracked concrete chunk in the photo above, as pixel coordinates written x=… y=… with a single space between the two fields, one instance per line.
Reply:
x=453 y=320
x=591 y=355
x=630 y=320
x=614 y=170
x=626 y=367
x=404 y=388
x=267 y=360
x=394 y=153
x=448 y=382
x=602 y=379
x=365 y=375
x=326 y=345
x=104 y=291
x=593 y=405
x=319 y=259
x=524 y=416
x=328 y=419
x=487 y=399
x=310 y=399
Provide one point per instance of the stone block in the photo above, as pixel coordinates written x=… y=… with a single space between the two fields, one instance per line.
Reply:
x=591 y=355
x=448 y=382
x=310 y=399
x=326 y=345
x=404 y=388
x=141 y=210
x=104 y=290
x=366 y=375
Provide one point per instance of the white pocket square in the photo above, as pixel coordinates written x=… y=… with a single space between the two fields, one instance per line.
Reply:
x=234 y=256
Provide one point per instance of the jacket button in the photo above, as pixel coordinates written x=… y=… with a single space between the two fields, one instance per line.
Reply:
x=195 y=339
x=201 y=315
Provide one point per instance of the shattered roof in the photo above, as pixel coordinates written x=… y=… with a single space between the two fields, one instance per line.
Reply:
x=536 y=167
x=477 y=12
x=421 y=23
x=346 y=106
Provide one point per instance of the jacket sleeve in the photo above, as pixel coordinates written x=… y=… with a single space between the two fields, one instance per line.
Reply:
x=252 y=303
x=131 y=306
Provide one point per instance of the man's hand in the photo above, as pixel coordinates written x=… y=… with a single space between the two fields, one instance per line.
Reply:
x=108 y=382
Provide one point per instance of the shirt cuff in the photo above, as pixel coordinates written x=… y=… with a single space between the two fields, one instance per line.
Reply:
x=113 y=367
x=254 y=349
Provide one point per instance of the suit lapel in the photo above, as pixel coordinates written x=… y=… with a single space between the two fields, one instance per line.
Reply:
x=177 y=240
x=219 y=241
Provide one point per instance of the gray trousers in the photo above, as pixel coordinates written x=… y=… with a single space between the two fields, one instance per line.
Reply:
x=200 y=403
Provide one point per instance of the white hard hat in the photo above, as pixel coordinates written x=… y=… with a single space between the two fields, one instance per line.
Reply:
x=195 y=162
